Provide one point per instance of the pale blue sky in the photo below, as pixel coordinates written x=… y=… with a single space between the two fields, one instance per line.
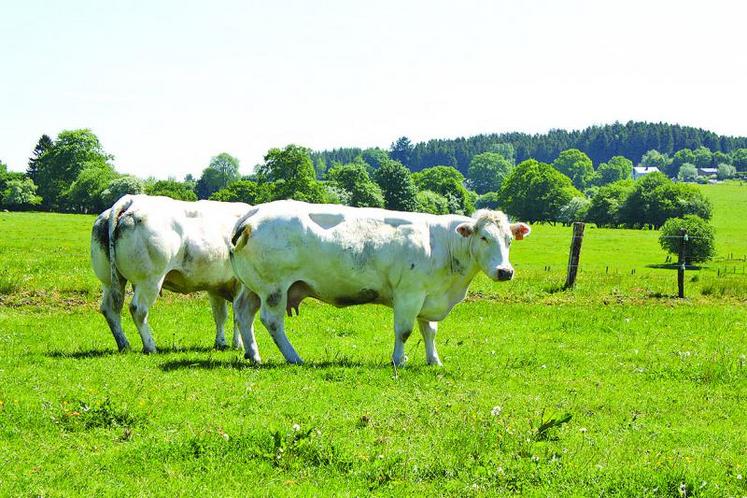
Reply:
x=168 y=84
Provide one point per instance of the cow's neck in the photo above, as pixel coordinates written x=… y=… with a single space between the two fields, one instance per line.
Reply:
x=460 y=261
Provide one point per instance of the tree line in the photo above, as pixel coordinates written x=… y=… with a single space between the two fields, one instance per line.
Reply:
x=600 y=143
x=73 y=173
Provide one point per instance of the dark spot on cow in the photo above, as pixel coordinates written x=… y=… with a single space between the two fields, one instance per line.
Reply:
x=101 y=232
x=274 y=298
x=457 y=266
x=363 y=297
x=187 y=257
x=412 y=266
x=272 y=327
x=405 y=334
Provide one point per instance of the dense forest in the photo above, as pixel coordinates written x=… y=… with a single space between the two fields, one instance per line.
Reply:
x=600 y=143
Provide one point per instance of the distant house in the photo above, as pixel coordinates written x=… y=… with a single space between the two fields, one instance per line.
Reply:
x=639 y=171
x=707 y=171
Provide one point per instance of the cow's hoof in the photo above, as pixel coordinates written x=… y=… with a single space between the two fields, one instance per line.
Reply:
x=125 y=348
x=399 y=362
x=149 y=351
x=254 y=359
x=434 y=362
x=221 y=347
x=296 y=361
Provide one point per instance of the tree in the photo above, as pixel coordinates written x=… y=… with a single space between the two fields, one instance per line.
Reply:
x=688 y=172
x=19 y=194
x=683 y=156
x=172 y=188
x=700 y=244
x=575 y=210
x=223 y=169
x=292 y=174
x=604 y=209
x=431 y=202
x=44 y=144
x=577 y=166
x=354 y=179
x=726 y=171
x=85 y=193
x=375 y=157
x=702 y=157
x=655 y=159
x=119 y=187
x=59 y=166
x=397 y=186
x=739 y=159
x=506 y=150
x=487 y=171
x=635 y=211
x=536 y=191
x=243 y=191
x=617 y=168
x=401 y=150
x=448 y=182
x=489 y=200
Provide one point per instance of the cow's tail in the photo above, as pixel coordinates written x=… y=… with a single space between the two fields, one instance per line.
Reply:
x=118 y=281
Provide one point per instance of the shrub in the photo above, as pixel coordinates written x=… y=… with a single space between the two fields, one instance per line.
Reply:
x=700 y=244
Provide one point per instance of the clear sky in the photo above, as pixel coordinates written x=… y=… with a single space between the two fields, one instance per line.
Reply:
x=168 y=84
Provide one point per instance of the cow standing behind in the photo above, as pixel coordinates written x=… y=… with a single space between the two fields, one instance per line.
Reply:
x=418 y=264
x=160 y=243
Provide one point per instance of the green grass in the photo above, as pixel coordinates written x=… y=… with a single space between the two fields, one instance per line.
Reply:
x=656 y=387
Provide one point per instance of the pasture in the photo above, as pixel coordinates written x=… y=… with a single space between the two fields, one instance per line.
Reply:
x=656 y=387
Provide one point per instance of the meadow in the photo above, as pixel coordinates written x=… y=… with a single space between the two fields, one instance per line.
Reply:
x=613 y=388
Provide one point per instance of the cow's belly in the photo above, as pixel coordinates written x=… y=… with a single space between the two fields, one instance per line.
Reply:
x=351 y=292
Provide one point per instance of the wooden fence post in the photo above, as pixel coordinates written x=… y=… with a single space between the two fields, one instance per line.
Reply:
x=681 y=264
x=573 y=256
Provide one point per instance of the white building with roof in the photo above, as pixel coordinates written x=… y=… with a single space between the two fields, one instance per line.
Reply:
x=639 y=171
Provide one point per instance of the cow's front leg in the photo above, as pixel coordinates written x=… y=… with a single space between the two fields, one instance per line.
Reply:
x=407 y=306
x=428 y=330
x=220 y=313
x=272 y=314
x=245 y=307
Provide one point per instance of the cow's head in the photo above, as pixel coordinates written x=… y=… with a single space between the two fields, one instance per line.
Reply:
x=489 y=236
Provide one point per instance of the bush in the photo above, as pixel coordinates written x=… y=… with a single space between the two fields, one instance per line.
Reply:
x=700 y=244
x=431 y=202
x=243 y=191
x=491 y=200
x=575 y=210
x=120 y=187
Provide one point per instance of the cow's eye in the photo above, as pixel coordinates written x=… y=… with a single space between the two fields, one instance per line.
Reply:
x=483 y=239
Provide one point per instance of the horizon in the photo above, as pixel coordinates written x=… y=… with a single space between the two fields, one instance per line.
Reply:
x=166 y=87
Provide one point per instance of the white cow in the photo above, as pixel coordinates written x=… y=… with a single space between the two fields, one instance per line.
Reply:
x=160 y=243
x=418 y=264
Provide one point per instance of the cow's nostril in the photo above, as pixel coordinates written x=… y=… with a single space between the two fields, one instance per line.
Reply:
x=504 y=274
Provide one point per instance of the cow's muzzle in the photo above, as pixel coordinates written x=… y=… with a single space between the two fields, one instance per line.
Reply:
x=504 y=274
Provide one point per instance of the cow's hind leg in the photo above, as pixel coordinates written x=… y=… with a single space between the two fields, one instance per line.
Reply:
x=428 y=331
x=112 y=301
x=272 y=314
x=245 y=307
x=145 y=295
x=220 y=314
x=407 y=306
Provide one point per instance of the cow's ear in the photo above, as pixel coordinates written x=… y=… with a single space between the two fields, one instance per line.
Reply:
x=520 y=230
x=465 y=229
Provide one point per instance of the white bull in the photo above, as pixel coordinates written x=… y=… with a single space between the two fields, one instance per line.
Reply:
x=418 y=264
x=160 y=243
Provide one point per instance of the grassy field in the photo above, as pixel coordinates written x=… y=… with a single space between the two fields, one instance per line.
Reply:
x=656 y=388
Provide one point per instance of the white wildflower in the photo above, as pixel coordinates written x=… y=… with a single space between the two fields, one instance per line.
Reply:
x=496 y=411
